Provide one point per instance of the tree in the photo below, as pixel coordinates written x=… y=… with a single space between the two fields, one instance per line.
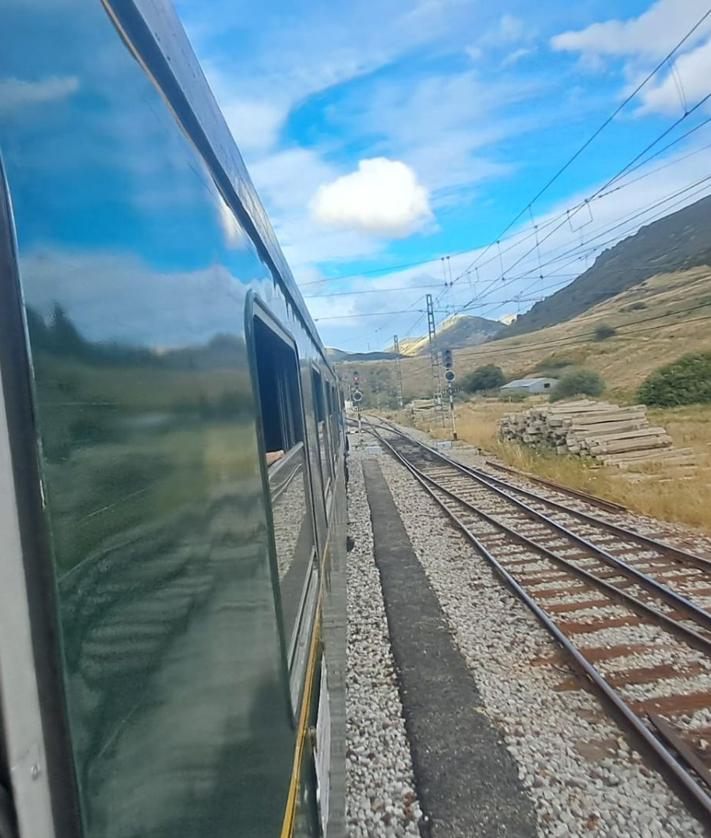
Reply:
x=685 y=381
x=578 y=383
x=488 y=377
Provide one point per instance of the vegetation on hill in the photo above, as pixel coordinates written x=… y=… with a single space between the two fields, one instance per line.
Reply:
x=487 y=377
x=578 y=383
x=676 y=242
x=684 y=381
x=604 y=331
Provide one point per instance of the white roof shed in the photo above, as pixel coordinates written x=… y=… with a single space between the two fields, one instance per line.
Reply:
x=531 y=385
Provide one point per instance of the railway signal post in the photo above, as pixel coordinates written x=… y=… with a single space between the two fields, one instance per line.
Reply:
x=449 y=377
x=356 y=399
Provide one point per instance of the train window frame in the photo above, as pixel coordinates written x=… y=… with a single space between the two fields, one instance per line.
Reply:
x=333 y=421
x=325 y=457
x=35 y=726
x=292 y=646
x=287 y=413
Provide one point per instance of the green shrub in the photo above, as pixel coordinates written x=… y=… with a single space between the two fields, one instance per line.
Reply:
x=578 y=383
x=560 y=360
x=638 y=306
x=685 y=381
x=488 y=377
x=515 y=396
x=604 y=331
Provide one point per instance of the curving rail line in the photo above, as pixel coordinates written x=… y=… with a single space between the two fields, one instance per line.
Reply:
x=630 y=611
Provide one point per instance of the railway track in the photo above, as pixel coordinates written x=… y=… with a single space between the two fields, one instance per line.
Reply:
x=631 y=612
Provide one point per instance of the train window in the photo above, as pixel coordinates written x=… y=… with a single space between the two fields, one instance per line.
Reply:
x=322 y=428
x=282 y=427
x=333 y=421
x=280 y=402
x=318 y=396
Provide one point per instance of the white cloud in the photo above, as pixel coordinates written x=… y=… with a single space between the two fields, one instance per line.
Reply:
x=287 y=180
x=651 y=34
x=439 y=126
x=254 y=124
x=296 y=50
x=383 y=198
x=516 y=56
x=509 y=30
x=16 y=93
x=692 y=71
x=641 y=40
x=563 y=256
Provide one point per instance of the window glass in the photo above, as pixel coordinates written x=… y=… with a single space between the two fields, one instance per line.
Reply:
x=283 y=435
x=323 y=441
x=278 y=383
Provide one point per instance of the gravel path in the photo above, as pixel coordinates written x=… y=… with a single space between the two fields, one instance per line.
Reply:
x=582 y=774
x=380 y=793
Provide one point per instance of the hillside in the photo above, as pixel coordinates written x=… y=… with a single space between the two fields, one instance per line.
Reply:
x=655 y=322
x=339 y=355
x=460 y=330
x=677 y=242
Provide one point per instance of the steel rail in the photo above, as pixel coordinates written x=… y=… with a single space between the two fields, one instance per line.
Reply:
x=661 y=546
x=604 y=503
x=669 y=762
x=698 y=640
x=700 y=615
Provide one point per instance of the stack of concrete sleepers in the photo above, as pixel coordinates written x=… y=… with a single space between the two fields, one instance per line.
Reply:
x=604 y=432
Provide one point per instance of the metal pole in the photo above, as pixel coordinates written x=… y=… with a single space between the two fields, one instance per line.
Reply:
x=451 y=410
x=398 y=372
x=434 y=359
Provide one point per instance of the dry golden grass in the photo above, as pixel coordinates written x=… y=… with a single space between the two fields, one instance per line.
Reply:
x=684 y=501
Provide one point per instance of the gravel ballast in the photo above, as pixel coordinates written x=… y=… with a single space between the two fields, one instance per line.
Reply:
x=380 y=791
x=582 y=775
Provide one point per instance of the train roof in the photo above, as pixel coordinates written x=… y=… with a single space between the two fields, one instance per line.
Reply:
x=155 y=35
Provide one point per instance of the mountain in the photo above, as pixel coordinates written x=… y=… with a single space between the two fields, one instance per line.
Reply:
x=458 y=331
x=335 y=355
x=676 y=242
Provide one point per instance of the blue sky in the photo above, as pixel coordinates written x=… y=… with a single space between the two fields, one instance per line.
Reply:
x=385 y=135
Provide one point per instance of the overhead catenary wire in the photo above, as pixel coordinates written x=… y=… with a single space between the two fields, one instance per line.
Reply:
x=577 y=252
x=518 y=261
x=525 y=234
x=601 y=128
x=621 y=331
x=573 y=252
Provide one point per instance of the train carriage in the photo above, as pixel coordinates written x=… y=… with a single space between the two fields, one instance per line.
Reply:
x=172 y=491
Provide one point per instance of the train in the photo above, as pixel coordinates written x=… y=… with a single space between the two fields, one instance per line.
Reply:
x=172 y=457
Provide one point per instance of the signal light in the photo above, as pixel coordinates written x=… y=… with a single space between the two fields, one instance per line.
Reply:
x=447 y=357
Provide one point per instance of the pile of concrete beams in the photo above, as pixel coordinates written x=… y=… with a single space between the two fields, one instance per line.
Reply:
x=606 y=433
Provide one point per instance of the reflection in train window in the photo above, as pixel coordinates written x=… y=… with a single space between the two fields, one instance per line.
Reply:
x=322 y=429
x=283 y=435
x=332 y=421
x=278 y=392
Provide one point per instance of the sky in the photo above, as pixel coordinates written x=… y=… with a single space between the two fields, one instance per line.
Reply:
x=400 y=146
